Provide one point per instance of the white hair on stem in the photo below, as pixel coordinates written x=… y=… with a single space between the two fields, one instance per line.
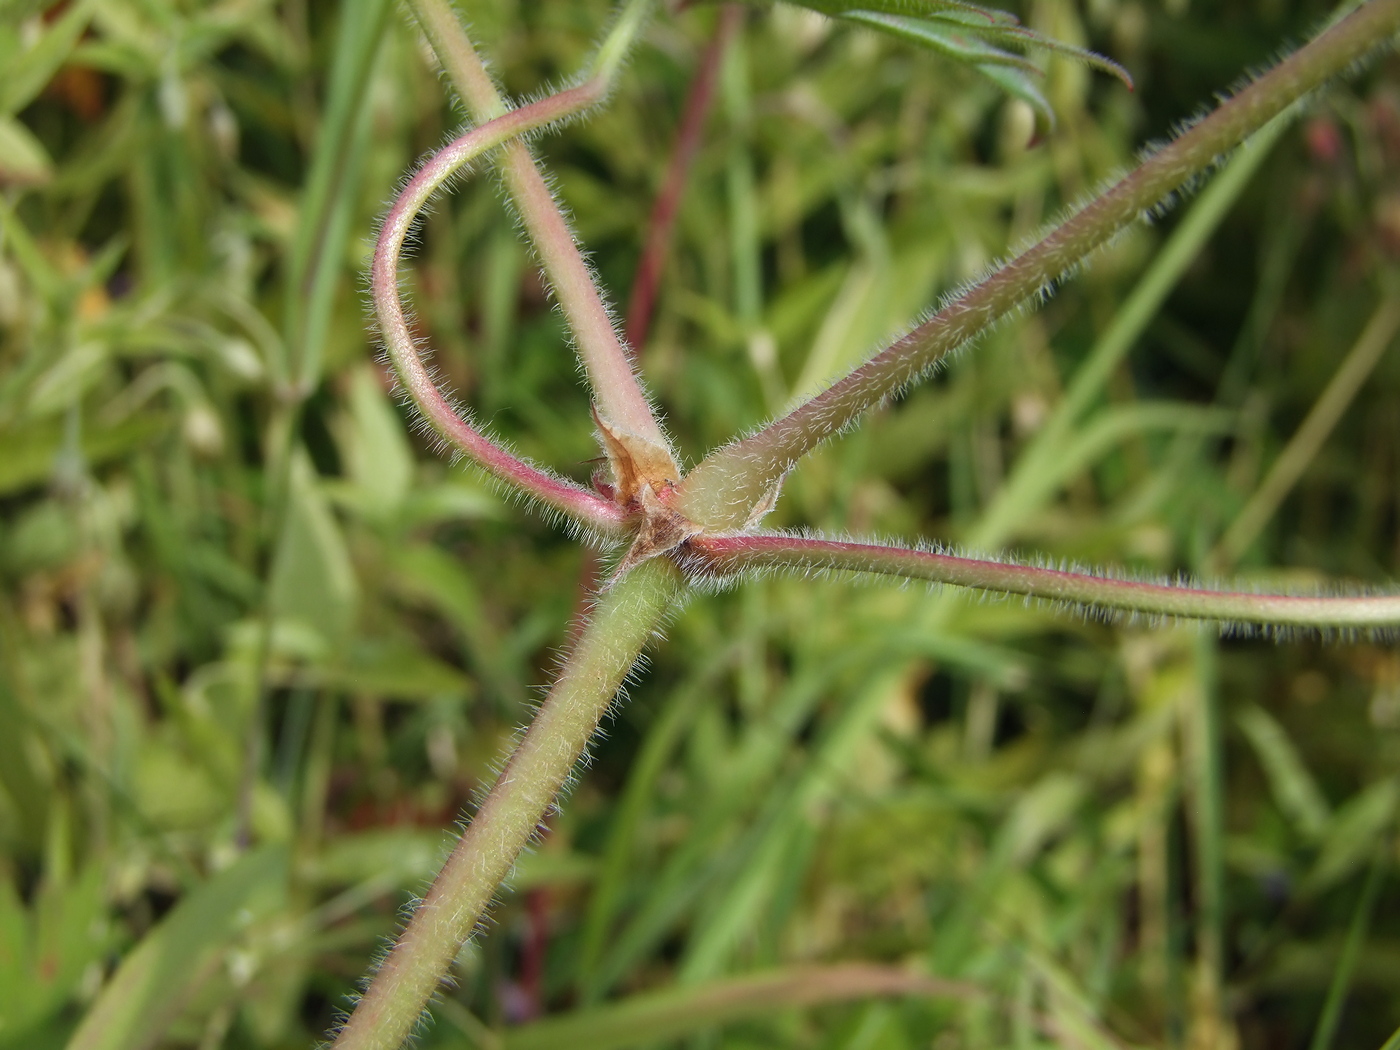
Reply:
x=719 y=561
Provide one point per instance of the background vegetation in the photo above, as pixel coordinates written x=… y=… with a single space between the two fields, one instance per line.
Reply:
x=259 y=646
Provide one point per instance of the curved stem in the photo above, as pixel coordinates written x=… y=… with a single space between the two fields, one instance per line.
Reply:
x=576 y=502
x=729 y=555
x=624 y=619
x=615 y=385
x=722 y=492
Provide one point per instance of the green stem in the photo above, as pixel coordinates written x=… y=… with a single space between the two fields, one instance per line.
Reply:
x=624 y=619
x=723 y=492
x=616 y=388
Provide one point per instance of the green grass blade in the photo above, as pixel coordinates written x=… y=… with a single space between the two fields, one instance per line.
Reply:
x=660 y=1016
x=316 y=267
x=1022 y=491
x=1351 y=951
x=154 y=981
x=660 y=743
x=1289 y=778
x=28 y=72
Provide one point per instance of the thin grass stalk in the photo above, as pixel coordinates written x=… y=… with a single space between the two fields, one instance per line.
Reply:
x=1205 y=771
x=1361 y=923
x=624 y=619
x=1308 y=440
x=311 y=287
x=1040 y=469
x=652 y=265
x=724 y=491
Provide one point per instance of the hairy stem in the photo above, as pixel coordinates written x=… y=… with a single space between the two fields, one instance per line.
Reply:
x=722 y=492
x=1040 y=469
x=730 y=555
x=616 y=388
x=579 y=504
x=625 y=617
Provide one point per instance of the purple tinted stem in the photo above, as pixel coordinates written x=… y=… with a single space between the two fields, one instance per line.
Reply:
x=570 y=499
x=647 y=281
x=729 y=555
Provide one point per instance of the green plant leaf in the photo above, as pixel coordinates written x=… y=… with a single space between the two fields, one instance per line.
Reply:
x=312 y=582
x=28 y=69
x=27 y=453
x=154 y=981
x=23 y=159
x=44 y=951
x=317 y=271
x=973 y=35
x=658 y=1017
x=951 y=39
x=394 y=668
x=974 y=13
x=379 y=457
x=1353 y=834
x=1293 y=786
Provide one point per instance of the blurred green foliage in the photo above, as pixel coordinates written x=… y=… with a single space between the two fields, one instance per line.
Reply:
x=242 y=604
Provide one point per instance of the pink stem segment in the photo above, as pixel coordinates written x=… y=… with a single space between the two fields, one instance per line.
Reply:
x=572 y=500
x=727 y=555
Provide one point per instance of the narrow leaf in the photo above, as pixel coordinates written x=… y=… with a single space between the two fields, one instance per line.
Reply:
x=153 y=982
x=23 y=159
x=28 y=72
x=316 y=272
x=663 y=1016
x=1293 y=787
x=312 y=581
x=914 y=8
x=954 y=41
x=1354 y=831
x=1018 y=84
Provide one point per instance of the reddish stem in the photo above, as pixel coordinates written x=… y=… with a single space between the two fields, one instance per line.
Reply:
x=534 y=952
x=662 y=221
x=576 y=502
x=721 y=556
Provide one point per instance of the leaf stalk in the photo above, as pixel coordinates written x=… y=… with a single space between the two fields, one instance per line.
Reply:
x=717 y=557
x=722 y=491
x=564 y=496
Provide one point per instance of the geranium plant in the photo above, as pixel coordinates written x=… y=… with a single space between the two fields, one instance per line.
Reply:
x=672 y=529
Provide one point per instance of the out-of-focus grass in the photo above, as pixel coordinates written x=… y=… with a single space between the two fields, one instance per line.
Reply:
x=222 y=550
